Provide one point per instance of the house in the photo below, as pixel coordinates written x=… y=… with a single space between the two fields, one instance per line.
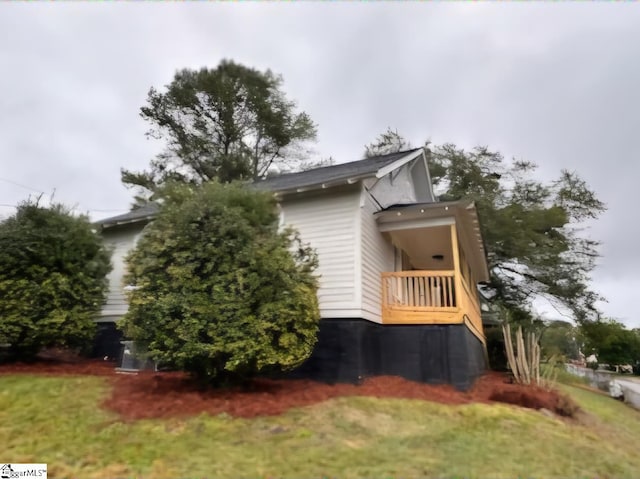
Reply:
x=120 y=234
x=398 y=270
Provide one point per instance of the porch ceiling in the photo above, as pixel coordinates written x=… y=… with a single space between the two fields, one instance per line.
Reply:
x=436 y=217
x=422 y=244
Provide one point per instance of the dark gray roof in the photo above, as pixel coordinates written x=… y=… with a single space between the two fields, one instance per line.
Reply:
x=331 y=174
x=327 y=175
x=145 y=212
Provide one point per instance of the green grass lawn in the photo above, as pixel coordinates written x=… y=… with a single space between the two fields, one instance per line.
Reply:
x=58 y=421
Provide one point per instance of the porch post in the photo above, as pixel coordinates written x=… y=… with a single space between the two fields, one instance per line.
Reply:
x=457 y=276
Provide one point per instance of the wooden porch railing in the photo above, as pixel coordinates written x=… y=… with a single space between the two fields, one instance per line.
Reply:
x=419 y=289
x=429 y=297
x=471 y=307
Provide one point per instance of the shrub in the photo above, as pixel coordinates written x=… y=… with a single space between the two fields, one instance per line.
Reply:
x=219 y=291
x=52 y=279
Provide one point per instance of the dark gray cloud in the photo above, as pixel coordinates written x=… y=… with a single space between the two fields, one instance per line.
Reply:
x=551 y=83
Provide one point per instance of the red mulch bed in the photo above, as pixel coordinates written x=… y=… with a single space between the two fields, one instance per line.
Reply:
x=171 y=394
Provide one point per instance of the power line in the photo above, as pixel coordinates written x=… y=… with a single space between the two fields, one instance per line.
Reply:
x=21 y=185
x=97 y=210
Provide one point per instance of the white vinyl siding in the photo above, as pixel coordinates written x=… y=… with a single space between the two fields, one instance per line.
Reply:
x=377 y=256
x=119 y=241
x=328 y=223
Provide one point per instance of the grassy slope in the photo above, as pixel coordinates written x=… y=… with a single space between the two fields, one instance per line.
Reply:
x=58 y=421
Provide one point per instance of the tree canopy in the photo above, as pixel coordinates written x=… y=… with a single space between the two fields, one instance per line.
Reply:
x=531 y=228
x=561 y=339
x=52 y=279
x=388 y=142
x=219 y=290
x=228 y=123
x=611 y=341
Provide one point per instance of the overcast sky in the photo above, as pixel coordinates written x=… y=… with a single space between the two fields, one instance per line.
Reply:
x=557 y=84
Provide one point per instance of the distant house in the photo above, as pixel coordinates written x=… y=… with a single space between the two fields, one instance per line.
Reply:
x=398 y=270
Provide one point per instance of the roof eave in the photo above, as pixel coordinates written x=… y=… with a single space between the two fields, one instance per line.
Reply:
x=322 y=186
x=126 y=222
x=465 y=204
x=385 y=170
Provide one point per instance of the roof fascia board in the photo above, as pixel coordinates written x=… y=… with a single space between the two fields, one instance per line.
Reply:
x=440 y=205
x=127 y=222
x=322 y=186
x=398 y=163
x=416 y=223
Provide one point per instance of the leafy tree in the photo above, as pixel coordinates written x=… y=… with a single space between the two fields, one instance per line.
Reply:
x=388 y=142
x=560 y=339
x=219 y=292
x=611 y=341
x=52 y=279
x=228 y=123
x=313 y=164
x=531 y=228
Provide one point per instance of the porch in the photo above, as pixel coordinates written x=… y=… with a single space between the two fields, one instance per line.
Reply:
x=439 y=261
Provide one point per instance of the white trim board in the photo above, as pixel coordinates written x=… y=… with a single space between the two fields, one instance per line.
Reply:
x=414 y=224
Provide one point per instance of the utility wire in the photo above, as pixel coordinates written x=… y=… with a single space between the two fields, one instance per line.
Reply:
x=77 y=208
x=97 y=210
x=20 y=185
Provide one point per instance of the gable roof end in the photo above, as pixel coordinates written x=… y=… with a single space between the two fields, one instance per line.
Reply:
x=344 y=173
x=411 y=155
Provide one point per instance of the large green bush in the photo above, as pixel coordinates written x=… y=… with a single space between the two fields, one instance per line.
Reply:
x=219 y=291
x=52 y=279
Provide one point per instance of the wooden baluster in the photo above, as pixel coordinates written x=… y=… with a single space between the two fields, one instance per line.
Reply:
x=412 y=294
x=445 y=292
x=431 y=289
x=407 y=301
x=438 y=292
x=434 y=291
x=397 y=287
x=414 y=281
x=405 y=291
x=427 y=288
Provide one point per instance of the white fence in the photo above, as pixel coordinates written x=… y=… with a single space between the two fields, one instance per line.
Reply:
x=610 y=382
